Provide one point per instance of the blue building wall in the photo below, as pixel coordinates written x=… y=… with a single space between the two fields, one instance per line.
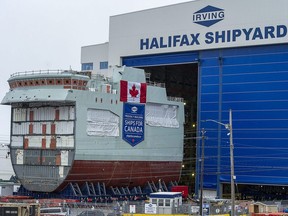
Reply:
x=253 y=82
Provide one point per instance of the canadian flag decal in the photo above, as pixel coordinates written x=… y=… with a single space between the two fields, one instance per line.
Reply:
x=133 y=92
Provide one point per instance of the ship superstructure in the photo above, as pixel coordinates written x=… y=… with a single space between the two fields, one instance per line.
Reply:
x=69 y=126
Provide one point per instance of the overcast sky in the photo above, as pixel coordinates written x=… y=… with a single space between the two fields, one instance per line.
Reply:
x=48 y=34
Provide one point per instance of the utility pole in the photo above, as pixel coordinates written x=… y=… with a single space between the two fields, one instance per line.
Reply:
x=232 y=165
x=202 y=171
x=233 y=177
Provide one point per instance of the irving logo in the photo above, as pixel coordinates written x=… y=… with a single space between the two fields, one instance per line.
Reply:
x=208 y=16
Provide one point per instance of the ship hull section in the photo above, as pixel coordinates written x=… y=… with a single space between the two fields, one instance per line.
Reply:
x=123 y=173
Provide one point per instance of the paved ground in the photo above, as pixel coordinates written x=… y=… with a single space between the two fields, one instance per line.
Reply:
x=76 y=211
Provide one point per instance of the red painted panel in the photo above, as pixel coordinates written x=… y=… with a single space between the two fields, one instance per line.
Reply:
x=30 y=128
x=53 y=129
x=57 y=114
x=58 y=159
x=53 y=143
x=181 y=188
x=44 y=129
x=31 y=116
x=43 y=143
x=26 y=143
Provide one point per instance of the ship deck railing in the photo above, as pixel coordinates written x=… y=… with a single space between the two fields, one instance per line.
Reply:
x=176 y=99
x=41 y=72
x=151 y=83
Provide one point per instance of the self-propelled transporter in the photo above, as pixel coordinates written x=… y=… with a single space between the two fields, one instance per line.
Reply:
x=69 y=126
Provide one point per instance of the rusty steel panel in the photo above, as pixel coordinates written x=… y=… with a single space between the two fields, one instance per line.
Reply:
x=58 y=160
x=31 y=115
x=43 y=143
x=53 y=128
x=53 y=143
x=44 y=128
x=26 y=143
x=31 y=128
x=57 y=114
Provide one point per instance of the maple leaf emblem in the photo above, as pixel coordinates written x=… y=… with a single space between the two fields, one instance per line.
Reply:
x=133 y=91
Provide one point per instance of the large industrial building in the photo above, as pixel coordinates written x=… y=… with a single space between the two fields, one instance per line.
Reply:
x=217 y=55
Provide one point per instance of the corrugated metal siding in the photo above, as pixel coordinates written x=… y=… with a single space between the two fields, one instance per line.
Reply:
x=19 y=114
x=64 y=127
x=71 y=113
x=17 y=141
x=20 y=128
x=64 y=158
x=34 y=141
x=46 y=113
x=253 y=82
x=61 y=171
x=32 y=157
x=37 y=128
x=65 y=142
x=19 y=156
x=42 y=141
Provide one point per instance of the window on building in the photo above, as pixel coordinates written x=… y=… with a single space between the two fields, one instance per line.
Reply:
x=87 y=66
x=167 y=202
x=104 y=65
x=161 y=202
x=154 y=201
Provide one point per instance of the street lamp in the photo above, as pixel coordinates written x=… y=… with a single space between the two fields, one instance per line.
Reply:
x=229 y=128
x=202 y=172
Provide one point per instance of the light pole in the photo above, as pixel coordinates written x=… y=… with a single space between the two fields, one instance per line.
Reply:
x=229 y=128
x=202 y=172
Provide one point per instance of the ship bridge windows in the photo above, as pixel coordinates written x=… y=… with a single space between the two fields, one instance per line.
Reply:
x=59 y=82
x=66 y=83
